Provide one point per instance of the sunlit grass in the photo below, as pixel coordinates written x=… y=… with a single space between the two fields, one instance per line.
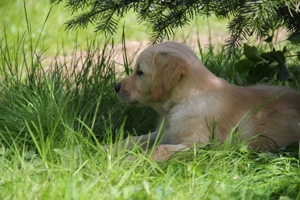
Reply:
x=53 y=125
x=20 y=16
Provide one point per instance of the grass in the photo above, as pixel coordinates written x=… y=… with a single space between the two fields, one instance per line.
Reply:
x=54 y=120
x=28 y=17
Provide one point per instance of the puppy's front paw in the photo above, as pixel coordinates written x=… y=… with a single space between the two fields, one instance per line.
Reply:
x=165 y=151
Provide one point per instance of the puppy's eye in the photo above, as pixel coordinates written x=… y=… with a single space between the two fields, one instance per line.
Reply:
x=139 y=72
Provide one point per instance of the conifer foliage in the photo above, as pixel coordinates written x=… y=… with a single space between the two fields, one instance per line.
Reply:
x=247 y=17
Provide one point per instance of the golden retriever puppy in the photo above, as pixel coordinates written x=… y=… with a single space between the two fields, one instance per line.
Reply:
x=189 y=98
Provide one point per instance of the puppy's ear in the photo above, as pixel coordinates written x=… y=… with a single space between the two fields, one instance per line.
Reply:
x=168 y=69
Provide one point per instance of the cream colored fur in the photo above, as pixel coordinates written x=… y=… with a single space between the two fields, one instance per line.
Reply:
x=169 y=78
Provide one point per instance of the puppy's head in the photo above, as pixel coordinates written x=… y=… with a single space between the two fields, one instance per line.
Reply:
x=157 y=70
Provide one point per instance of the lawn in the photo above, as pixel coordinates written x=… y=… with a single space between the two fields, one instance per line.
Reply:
x=58 y=107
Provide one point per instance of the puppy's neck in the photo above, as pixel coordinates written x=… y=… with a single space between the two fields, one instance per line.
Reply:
x=199 y=81
x=207 y=97
x=197 y=86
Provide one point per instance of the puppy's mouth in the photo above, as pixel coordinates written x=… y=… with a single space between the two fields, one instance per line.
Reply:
x=126 y=97
x=133 y=103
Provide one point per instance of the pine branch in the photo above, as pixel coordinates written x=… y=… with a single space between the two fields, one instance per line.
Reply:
x=81 y=21
x=239 y=30
x=163 y=16
x=290 y=14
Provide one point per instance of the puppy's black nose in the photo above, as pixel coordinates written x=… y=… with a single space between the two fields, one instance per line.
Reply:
x=117 y=87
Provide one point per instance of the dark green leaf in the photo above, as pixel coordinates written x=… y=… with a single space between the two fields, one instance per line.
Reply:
x=274 y=55
x=284 y=50
x=298 y=55
x=283 y=73
x=295 y=39
x=280 y=57
x=260 y=71
x=269 y=39
x=251 y=53
x=269 y=56
x=242 y=66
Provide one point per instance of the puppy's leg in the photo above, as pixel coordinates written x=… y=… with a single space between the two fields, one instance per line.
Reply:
x=164 y=151
x=161 y=153
x=144 y=141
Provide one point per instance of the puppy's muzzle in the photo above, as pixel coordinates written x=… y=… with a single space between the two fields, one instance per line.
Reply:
x=123 y=94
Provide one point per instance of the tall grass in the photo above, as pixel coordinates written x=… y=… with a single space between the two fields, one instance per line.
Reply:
x=56 y=113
